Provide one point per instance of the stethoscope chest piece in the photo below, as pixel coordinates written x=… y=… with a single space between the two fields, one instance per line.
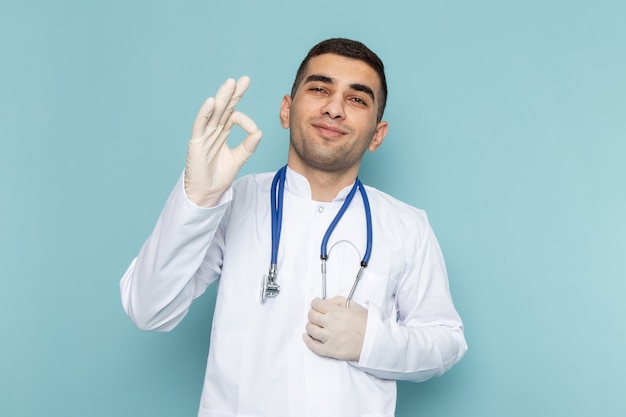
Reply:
x=269 y=287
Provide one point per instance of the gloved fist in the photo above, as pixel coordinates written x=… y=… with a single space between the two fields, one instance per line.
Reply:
x=334 y=330
x=211 y=165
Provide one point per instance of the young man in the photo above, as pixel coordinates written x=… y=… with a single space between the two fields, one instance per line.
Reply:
x=279 y=345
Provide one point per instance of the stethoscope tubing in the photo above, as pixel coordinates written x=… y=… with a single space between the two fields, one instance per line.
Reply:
x=277 y=199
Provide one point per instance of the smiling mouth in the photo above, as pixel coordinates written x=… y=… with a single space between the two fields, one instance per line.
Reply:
x=329 y=131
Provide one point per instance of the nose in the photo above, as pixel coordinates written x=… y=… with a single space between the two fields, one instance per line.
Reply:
x=334 y=107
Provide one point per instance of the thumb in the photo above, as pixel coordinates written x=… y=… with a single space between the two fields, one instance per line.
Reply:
x=246 y=148
x=252 y=142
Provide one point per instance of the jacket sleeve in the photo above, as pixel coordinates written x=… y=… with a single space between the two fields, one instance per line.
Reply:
x=177 y=262
x=425 y=338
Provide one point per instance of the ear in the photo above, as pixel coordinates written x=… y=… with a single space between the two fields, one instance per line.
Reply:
x=379 y=136
x=285 y=108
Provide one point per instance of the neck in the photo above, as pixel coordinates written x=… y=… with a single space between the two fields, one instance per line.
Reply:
x=326 y=185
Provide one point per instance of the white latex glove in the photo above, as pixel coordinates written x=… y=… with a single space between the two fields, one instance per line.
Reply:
x=211 y=165
x=334 y=330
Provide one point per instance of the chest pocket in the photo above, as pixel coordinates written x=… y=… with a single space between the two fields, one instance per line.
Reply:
x=379 y=281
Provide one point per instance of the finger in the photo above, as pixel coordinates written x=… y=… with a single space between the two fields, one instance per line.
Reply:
x=241 y=86
x=204 y=113
x=316 y=318
x=222 y=99
x=338 y=301
x=313 y=344
x=246 y=123
x=251 y=143
x=317 y=333
x=324 y=306
x=319 y=305
x=245 y=149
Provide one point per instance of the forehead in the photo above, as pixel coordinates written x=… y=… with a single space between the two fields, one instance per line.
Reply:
x=343 y=70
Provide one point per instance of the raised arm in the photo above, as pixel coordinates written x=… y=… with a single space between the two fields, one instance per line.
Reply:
x=183 y=255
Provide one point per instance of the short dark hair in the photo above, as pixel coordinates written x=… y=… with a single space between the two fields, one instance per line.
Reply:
x=349 y=49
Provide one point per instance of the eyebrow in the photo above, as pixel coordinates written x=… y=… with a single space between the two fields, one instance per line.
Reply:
x=324 y=79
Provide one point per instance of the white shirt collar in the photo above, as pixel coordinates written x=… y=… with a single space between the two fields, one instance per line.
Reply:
x=298 y=184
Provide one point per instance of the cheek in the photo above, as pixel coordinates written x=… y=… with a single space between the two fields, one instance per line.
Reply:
x=367 y=135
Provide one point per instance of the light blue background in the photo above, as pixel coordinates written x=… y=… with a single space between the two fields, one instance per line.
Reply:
x=508 y=125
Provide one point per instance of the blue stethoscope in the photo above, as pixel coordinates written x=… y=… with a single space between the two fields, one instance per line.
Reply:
x=269 y=286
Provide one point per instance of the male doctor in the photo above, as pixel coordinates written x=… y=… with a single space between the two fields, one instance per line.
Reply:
x=285 y=341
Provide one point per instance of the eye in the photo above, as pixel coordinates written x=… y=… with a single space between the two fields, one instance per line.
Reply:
x=317 y=89
x=359 y=100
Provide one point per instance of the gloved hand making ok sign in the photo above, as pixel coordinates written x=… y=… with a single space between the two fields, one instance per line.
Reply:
x=334 y=330
x=211 y=165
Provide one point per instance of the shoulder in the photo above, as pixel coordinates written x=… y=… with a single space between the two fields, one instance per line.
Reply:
x=395 y=214
x=387 y=203
x=253 y=182
x=251 y=194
